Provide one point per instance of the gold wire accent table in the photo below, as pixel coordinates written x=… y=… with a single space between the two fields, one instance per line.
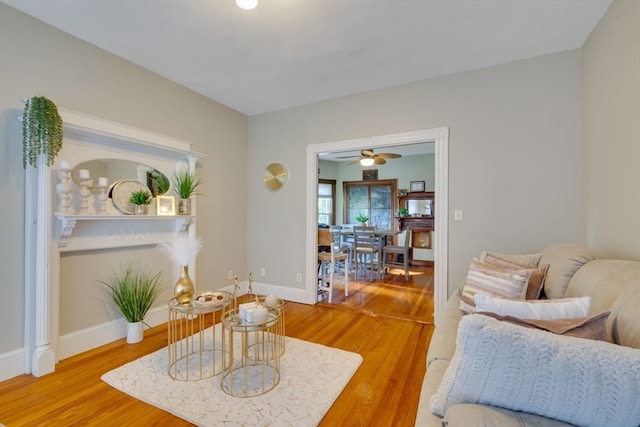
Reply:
x=194 y=351
x=251 y=359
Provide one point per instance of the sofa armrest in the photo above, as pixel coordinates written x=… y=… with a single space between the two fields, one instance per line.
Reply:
x=443 y=341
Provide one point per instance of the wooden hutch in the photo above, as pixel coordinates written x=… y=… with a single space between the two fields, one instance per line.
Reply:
x=422 y=222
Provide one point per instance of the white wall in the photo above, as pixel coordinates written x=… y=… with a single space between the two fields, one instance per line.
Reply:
x=611 y=134
x=37 y=59
x=514 y=152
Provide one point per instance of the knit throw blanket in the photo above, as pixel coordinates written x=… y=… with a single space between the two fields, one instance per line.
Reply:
x=575 y=380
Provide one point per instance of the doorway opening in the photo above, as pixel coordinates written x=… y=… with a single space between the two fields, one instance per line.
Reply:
x=440 y=137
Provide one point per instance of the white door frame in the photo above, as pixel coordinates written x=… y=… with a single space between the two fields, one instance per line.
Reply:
x=440 y=136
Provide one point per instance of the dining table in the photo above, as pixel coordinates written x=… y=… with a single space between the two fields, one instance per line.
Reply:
x=383 y=235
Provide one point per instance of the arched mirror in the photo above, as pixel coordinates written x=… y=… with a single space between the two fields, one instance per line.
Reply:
x=116 y=170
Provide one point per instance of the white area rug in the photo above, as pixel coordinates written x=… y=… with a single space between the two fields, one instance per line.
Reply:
x=312 y=376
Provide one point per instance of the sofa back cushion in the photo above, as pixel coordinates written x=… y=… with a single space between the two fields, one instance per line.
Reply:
x=625 y=324
x=564 y=260
x=612 y=285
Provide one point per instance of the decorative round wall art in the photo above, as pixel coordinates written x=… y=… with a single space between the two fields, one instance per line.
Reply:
x=275 y=176
x=121 y=192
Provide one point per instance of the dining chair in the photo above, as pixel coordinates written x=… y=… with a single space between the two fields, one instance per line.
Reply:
x=391 y=253
x=366 y=250
x=331 y=264
x=342 y=243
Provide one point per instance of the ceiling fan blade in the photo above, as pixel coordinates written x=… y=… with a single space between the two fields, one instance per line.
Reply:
x=389 y=155
x=378 y=160
x=367 y=153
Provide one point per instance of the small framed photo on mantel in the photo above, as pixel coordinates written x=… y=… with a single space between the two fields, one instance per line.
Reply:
x=165 y=205
x=416 y=186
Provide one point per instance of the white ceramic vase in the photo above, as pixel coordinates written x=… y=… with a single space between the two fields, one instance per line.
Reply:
x=134 y=332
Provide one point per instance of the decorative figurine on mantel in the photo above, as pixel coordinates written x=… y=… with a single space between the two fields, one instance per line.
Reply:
x=182 y=250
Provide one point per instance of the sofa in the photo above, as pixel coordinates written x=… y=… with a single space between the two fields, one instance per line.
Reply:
x=573 y=271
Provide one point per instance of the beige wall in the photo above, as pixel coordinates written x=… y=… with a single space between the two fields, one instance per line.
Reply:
x=514 y=165
x=611 y=134
x=36 y=59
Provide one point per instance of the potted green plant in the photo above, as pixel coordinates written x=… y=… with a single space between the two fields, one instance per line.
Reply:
x=362 y=218
x=141 y=199
x=403 y=212
x=186 y=184
x=41 y=131
x=133 y=291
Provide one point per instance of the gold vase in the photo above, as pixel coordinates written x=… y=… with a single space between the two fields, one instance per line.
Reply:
x=140 y=209
x=184 y=206
x=183 y=290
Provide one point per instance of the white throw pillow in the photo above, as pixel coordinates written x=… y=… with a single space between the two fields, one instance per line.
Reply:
x=582 y=382
x=563 y=308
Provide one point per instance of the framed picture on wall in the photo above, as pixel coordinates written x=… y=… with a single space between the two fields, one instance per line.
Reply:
x=369 y=174
x=416 y=186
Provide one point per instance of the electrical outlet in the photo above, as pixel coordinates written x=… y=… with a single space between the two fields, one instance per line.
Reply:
x=299 y=277
x=230 y=275
x=263 y=272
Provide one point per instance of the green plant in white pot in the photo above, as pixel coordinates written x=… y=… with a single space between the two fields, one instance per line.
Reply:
x=133 y=291
x=41 y=131
x=186 y=184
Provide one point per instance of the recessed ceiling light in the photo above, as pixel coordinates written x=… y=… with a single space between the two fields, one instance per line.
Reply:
x=247 y=4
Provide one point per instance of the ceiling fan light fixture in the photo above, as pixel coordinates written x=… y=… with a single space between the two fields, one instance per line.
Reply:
x=367 y=161
x=247 y=4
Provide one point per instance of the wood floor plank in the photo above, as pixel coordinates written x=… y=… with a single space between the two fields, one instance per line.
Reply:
x=387 y=322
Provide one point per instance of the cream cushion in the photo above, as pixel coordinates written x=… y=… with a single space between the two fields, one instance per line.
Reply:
x=563 y=308
x=523 y=260
x=536 y=281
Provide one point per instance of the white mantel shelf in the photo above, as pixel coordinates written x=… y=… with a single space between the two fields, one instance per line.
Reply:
x=115 y=231
x=49 y=234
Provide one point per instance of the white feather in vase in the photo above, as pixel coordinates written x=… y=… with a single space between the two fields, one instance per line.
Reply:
x=182 y=250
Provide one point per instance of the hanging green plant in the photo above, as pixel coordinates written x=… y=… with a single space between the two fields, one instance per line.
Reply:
x=41 y=131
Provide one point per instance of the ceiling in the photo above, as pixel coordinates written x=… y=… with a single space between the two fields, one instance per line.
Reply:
x=287 y=53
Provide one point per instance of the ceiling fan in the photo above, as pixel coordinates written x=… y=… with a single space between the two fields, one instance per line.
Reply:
x=368 y=158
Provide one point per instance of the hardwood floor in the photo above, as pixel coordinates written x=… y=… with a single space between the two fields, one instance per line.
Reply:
x=387 y=322
x=391 y=295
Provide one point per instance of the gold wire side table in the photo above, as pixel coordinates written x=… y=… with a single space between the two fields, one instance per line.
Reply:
x=195 y=353
x=251 y=359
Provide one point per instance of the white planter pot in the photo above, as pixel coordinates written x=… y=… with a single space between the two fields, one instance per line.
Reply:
x=134 y=332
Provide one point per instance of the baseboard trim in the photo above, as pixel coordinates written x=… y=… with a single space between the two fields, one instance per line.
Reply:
x=287 y=294
x=12 y=364
x=86 y=339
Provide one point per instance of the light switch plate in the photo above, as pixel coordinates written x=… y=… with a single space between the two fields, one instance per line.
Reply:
x=457 y=215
